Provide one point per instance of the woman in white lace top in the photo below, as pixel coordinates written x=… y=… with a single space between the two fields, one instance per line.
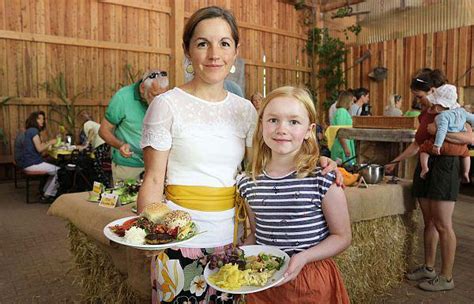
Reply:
x=194 y=139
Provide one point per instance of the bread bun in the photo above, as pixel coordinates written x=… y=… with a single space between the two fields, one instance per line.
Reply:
x=155 y=212
x=176 y=218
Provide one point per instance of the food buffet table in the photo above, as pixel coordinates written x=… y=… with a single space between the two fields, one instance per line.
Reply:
x=383 y=221
x=381 y=146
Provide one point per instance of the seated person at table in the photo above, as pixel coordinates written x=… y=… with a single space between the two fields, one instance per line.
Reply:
x=100 y=148
x=393 y=109
x=343 y=149
x=451 y=118
x=123 y=122
x=33 y=148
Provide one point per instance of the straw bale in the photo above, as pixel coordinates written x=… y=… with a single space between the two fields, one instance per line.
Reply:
x=100 y=280
x=381 y=252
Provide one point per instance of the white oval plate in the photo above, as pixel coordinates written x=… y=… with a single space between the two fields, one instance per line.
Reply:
x=254 y=250
x=121 y=240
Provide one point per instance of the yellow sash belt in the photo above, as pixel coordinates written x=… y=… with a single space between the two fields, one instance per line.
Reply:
x=209 y=199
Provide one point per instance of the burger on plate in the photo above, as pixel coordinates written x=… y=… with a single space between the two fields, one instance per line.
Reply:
x=155 y=212
x=179 y=224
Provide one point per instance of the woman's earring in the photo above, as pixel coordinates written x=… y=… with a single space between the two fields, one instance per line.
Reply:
x=190 y=69
x=232 y=69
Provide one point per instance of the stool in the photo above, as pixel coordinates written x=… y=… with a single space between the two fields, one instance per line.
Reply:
x=32 y=175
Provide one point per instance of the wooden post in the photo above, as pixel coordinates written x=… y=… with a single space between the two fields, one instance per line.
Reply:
x=176 y=33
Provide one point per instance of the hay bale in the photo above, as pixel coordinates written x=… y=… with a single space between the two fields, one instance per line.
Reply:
x=100 y=280
x=381 y=252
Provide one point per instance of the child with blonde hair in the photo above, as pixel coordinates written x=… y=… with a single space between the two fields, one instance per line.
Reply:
x=291 y=205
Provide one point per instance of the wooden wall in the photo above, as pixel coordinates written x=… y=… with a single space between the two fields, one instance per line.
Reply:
x=91 y=41
x=452 y=51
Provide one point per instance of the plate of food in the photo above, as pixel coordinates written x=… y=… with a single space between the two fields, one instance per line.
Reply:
x=246 y=269
x=128 y=192
x=156 y=228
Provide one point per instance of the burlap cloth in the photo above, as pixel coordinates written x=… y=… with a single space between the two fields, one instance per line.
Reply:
x=91 y=219
x=364 y=204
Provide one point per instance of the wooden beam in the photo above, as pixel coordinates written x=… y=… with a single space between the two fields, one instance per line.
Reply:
x=277 y=66
x=267 y=29
x=139 y=4
x=33 y=101
x=338 y=4
x=82 y=42
x=176 y=32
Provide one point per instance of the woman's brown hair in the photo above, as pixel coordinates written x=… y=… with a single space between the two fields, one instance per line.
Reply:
x=32 y=121
x=307 y=157
x=209 y=13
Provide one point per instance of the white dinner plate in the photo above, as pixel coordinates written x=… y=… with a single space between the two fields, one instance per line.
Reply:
x=121 y=240
x=254 y=250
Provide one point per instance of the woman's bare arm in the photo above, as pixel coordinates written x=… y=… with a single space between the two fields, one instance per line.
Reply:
x=152 y=188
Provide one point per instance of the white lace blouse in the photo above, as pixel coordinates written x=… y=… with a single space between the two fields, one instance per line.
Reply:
x=206 y=140
x=207 y=143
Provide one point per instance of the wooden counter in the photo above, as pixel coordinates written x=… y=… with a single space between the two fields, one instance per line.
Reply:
x=380 y=146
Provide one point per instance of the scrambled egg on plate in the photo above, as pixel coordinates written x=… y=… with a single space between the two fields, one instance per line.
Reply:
x=230 y=277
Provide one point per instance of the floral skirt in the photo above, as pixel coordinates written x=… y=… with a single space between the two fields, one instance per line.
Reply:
x=177 y=277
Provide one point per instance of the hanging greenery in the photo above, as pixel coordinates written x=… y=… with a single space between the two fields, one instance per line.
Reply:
x=331 y=54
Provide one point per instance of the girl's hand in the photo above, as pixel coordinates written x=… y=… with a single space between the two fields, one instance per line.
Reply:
x=297 y=262
x=329 y=165
x=347 y=153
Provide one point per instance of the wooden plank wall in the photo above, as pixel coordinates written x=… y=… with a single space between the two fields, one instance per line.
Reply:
x=91 y=41
x=451 y=51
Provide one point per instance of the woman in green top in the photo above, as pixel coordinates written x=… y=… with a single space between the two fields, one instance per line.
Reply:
x=343 y=149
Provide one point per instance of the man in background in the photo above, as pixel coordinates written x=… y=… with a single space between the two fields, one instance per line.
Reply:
x=122 y=125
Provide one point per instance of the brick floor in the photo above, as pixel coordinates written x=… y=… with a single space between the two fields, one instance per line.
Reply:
x=36 y=266
x=35 y=263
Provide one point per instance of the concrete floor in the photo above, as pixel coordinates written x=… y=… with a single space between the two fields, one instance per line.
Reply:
x=36 y=266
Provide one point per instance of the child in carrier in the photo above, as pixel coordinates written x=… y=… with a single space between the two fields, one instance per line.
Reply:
x=291 y=205
x=451 y=118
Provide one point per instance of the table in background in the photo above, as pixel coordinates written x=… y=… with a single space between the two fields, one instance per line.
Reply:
x=380 y=146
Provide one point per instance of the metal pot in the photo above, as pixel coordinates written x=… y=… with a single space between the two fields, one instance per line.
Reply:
x=373 y=174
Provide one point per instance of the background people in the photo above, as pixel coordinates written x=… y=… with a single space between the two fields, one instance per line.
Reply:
x=343 y=149
x=393 y=108
x=437 y=193
x=256 y=100
x=100 y=148
x=415 y=109
x=360 y=105
x=122 y=125
x=33 y=147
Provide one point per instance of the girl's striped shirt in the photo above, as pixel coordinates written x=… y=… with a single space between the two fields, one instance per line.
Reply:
x=288 y=210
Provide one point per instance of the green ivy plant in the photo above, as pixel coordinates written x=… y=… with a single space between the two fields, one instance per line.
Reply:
x=331 y=54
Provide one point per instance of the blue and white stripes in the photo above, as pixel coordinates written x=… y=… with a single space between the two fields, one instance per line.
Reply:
x=288 y=210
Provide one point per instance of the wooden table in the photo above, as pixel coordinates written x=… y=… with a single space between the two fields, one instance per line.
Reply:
x=380 y=146
x=375 y=207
